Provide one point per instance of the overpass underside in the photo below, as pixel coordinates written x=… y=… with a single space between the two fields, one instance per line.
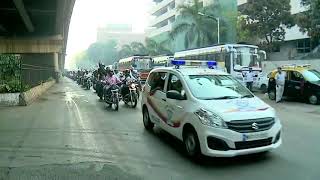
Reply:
x=37 y=30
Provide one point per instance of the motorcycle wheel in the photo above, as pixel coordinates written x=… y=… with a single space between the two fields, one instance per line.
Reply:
x=115 y=105
x=133 y=100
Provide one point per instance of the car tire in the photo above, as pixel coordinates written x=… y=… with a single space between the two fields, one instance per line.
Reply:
x=272 y=94
x=191 y=143
x=263 y=88
x=313 y=99
x=148 y=125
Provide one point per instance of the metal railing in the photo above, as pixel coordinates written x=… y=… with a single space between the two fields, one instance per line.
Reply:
x=33 y=75
x=17 y=76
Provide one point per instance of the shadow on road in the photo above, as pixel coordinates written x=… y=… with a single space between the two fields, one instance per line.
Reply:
x=205 y=161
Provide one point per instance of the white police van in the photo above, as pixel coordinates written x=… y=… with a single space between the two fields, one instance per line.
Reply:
x=209 y=110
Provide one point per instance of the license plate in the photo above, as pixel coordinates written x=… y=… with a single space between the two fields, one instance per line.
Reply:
x=254 y=136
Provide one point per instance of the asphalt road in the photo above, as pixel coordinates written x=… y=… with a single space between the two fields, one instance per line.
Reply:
x=69 y=134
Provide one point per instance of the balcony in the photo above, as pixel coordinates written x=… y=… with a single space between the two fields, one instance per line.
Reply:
x=158 y=6
x=163 y=17
x=161 y=30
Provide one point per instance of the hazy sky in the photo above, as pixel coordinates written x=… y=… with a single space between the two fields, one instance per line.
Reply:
x=88 y=15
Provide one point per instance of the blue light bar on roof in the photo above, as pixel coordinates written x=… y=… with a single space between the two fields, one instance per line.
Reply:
x=212 y=64
x=178 y=62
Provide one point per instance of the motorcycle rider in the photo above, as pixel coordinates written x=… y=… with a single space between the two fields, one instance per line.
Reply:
x=101 y=77
x=110 y=82
x=125 y=82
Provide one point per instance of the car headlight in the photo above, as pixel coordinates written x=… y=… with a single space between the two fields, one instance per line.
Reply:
x=210 y=119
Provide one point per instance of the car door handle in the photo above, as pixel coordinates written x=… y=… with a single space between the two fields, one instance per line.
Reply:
x=164 y=100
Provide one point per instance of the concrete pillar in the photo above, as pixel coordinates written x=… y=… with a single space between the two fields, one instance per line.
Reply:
x=56 y=66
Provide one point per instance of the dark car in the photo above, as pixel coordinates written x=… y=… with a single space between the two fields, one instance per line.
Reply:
x=301 y=83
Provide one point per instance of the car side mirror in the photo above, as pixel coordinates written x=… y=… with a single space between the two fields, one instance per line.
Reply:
x=175 y=95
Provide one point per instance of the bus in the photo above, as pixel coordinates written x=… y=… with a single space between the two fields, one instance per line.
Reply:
x=236 y=59
x=161 y=61
x=140 y=63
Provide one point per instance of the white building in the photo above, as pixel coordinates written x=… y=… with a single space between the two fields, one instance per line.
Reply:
x=163 y=15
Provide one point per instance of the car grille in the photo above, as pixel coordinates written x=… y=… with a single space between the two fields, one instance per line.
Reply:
x=253 y=144
x=251 y=125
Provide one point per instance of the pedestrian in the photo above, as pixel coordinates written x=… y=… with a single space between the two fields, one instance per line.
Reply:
x=280 y=82
x=249 y=79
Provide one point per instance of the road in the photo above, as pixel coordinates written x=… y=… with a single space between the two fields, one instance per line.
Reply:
x=68 y=134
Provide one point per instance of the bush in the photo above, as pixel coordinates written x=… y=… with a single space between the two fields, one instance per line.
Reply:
x=10 y=73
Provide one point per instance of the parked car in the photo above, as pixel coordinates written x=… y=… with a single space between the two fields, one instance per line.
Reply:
x=302 y=82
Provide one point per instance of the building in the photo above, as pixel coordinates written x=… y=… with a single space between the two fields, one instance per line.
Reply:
x=296 y=44
x=121 y=33
x=164 y=14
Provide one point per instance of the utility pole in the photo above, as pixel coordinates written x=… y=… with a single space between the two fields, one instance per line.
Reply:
x=215 y=19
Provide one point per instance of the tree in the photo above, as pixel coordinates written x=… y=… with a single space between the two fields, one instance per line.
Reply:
x=105 y=52
x=154 y=48
x=197 y=29
x=138 y=48
x=309 y=21
x=268 y=19
x=243 y=33
x=125 y=51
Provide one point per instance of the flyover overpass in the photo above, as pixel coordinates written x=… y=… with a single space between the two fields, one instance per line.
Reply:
x=36 y=29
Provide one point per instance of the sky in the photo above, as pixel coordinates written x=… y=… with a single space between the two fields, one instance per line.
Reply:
x=88 y=15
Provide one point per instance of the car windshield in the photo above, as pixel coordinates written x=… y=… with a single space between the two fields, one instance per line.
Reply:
x=210 y=87
x=311 y=75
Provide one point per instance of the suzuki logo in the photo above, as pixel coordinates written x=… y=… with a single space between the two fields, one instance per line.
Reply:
x=255 y=126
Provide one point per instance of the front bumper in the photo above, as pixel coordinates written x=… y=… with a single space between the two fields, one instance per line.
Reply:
x=230 y=138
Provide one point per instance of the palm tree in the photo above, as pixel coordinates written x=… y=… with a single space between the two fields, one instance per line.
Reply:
x=154 y=48
x=198 y=30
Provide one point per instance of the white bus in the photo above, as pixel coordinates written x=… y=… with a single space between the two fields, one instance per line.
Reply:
x=236 y=59
x=161 y=61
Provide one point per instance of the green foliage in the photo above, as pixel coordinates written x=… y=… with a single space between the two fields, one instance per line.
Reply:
x=50 y=79
x=151 y=48
x=154 y=48
x=309 y=21
x=243 y=33
x=104 y=52
x=10 y=73
x=268 y=19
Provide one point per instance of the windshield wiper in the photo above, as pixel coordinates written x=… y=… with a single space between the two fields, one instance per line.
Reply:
x=223 y=97
x=247 y=96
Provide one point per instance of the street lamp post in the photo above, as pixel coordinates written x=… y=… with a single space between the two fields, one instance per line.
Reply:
x=214 y=18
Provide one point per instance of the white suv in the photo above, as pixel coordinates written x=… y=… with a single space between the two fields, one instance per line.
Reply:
x=210 y=111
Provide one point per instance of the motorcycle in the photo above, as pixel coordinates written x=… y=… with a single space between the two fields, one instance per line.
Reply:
x=87 y=83
x=113 y=98
x=130 y=95
x=94 y=84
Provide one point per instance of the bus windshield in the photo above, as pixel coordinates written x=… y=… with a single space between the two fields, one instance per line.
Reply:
x=141 y=63
x=245 y=56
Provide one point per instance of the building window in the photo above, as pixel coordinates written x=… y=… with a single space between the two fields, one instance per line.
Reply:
x=303 y=45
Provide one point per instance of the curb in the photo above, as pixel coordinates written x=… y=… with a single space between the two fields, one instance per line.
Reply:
x=31 y=95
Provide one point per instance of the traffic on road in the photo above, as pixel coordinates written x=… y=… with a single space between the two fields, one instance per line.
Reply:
x=208 y=105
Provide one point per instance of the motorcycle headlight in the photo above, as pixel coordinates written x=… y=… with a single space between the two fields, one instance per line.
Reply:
x=133 y=86
x=210 y=119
